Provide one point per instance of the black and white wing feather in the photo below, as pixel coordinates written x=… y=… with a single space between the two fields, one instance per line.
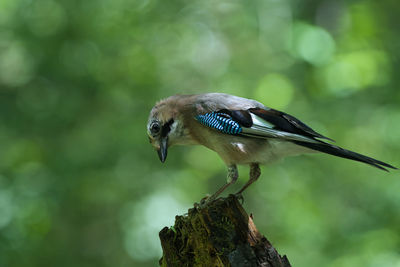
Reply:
x=260 y=123
x=274 y=124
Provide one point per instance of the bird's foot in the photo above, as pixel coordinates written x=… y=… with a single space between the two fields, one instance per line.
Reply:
x=239 y=197
x=205 y=201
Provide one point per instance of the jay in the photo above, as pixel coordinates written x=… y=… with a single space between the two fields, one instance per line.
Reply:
x=240 y=130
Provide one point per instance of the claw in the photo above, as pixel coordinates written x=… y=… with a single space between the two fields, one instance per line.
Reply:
x=204 y=202
x=240 y=198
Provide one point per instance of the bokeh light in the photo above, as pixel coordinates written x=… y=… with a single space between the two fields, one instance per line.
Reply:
x=312 y=44
x=274 y=90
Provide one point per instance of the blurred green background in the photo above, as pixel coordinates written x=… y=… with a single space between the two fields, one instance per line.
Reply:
x=81 y=186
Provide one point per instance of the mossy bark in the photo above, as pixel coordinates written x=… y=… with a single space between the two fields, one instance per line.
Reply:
x=220 y=234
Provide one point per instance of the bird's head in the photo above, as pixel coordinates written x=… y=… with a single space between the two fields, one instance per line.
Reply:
x=165 y=127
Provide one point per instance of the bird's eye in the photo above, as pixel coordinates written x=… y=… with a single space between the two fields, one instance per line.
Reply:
x=155 y=127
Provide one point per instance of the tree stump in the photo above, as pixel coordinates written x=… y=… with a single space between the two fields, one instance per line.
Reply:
x=219 y=234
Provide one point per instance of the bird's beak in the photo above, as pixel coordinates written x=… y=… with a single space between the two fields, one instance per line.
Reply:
x=162 y=151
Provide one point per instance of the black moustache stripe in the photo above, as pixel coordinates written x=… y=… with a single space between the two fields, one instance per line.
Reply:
x=166 y=128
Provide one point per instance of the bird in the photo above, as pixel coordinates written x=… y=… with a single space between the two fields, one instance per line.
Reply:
x=241 y=131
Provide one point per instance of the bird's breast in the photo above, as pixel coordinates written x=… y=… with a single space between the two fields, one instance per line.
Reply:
x=243 y=150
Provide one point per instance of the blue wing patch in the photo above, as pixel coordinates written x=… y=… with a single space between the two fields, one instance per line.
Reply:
x=220 y=121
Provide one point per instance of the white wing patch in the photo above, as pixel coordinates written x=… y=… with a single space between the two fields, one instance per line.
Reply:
x=263 y=129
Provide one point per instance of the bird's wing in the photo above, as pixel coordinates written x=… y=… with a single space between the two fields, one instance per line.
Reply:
x=270 y=123
x=260 y=123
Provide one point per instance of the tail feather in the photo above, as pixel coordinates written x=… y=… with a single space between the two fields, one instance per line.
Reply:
x=344 y=153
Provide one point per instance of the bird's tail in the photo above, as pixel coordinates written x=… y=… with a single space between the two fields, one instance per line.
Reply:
x=344 y=153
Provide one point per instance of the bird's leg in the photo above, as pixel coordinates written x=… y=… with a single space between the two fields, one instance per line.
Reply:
x=255 y=172
x=232 y=177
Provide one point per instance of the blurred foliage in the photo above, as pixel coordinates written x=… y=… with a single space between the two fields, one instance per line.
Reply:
x=81 y=186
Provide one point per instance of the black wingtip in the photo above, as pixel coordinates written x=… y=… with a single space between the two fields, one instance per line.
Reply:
x=386 y=165
x=379 y=167
x=392 y=167
x=381 y=163
x=344 y=153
